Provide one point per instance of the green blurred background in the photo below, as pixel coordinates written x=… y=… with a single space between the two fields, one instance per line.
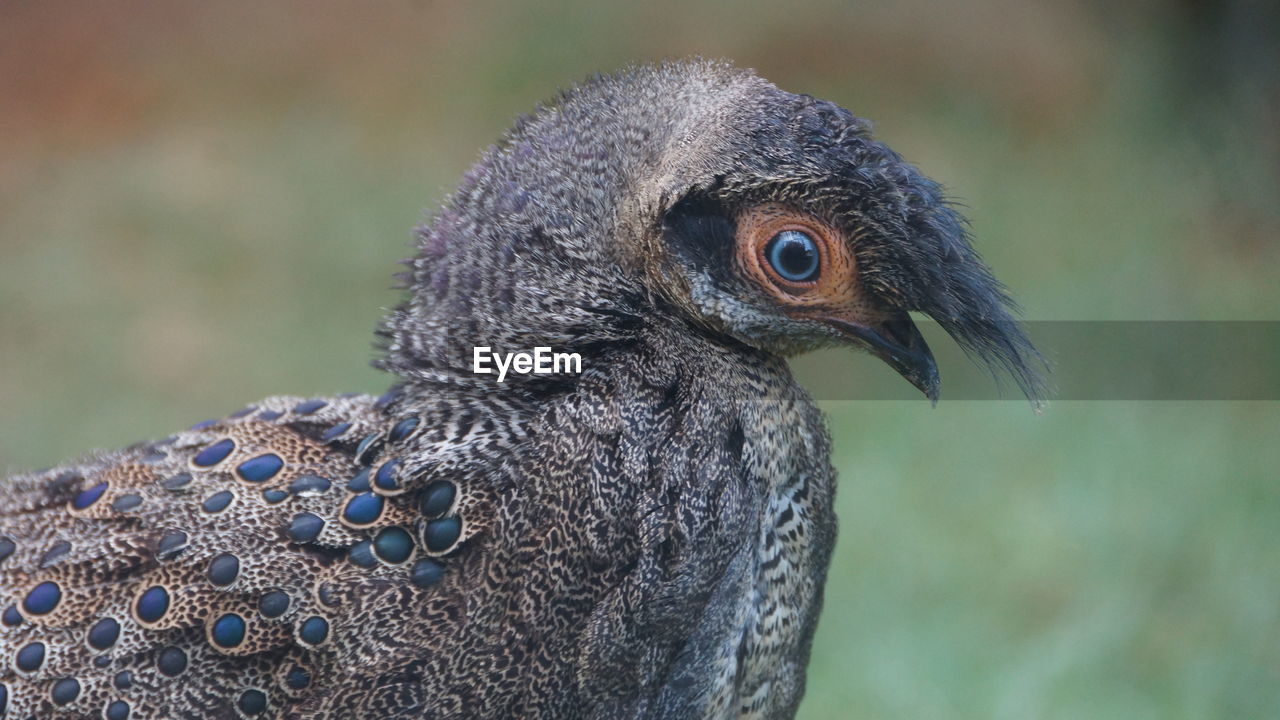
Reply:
x=202 y=204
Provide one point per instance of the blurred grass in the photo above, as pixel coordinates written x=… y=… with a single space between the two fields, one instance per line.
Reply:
x=1113 y=560
x=203 y=204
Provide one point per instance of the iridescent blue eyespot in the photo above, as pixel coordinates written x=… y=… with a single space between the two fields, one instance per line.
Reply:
x=217 y=502
x=273 y=604
x=118 y=710
x=387 y=478
x=104 y=633
x=252 y=702
x=309 y=484
x=314 y=630
x=29 y=657
x=363 y=509
x=224 y=569
x=308 y=407
x=89 y=496
x=335 y=432
x=171 y=661
x=228 y=631
x=215 y=453
x=393 y=545
x=368 y=447
x=793 y=255
x=426 y=572
x=260 y=468
x=403 y=429
x=305 y=527
x=43 y=598
x=126 y=502
x=55 y=553
x=64 y=691
x=327 y=594
x=297 y=678
x=437 y=498
x=362 y=554
x=152 y=604
x=359 y=483
x=440 y=535
x=171 y=544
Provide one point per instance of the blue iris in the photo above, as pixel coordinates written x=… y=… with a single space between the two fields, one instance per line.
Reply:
x=793 y=255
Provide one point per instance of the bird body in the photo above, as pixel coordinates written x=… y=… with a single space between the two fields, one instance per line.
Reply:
x=646 y=538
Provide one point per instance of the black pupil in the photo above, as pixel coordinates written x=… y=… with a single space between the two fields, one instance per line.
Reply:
x=794 y=255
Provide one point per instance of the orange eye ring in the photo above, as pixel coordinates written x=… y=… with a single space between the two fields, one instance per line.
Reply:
x=757 y=231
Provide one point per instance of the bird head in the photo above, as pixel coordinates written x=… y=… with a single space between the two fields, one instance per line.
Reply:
x=699 y=192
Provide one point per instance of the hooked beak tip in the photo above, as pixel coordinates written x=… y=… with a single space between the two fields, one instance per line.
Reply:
x=900 y=345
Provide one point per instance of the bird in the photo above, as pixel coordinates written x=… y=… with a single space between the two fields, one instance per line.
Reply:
x=644 y=533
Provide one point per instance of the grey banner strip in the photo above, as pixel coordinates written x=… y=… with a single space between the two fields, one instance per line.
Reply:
x=1088 y=360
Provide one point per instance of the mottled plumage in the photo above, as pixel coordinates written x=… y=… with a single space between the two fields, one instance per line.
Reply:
x=648 y=538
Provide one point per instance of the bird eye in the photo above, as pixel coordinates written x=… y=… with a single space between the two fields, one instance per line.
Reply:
x=793 y=255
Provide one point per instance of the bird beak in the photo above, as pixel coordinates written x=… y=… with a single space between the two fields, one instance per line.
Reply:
x=898 y=342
